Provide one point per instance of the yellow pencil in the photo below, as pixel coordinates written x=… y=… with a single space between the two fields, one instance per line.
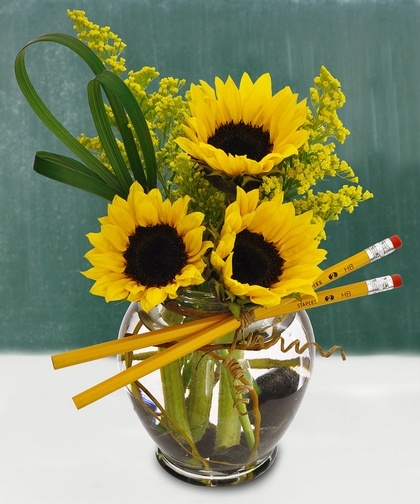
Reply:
x=335 y=295
x=209 y=335
x=356 y=261
x=156 y=361
x=133 y=342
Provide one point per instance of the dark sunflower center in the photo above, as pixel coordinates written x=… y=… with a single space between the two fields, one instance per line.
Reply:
x=155 y=255
x=255 y=261
x=240 y=139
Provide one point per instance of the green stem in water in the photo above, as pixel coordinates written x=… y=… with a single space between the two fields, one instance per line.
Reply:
x=247 y=426
x=174 y=398
x=200 y=397
x=232 y=412
x=228 y=431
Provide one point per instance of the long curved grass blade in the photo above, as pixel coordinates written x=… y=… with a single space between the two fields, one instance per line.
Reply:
x=127 y=138
x=106 y=135
x=46 y=115
x=71 y=172
x=115 y=86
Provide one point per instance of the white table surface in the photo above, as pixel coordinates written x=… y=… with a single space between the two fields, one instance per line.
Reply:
x=355 y=439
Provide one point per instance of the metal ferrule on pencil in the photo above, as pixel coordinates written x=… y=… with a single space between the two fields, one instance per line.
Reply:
x=380 y=284
x=380 y=249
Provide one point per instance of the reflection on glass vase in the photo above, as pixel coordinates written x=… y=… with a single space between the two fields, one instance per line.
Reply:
x=217 y=414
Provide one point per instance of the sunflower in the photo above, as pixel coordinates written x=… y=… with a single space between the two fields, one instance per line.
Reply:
x=146 y=249
x=243 y=130
x=265 y=251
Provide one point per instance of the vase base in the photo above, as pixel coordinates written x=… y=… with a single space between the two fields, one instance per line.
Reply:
x=216 y=479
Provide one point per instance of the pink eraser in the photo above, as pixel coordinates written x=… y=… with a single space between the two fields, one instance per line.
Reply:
x=396 y=280
x=396 y=241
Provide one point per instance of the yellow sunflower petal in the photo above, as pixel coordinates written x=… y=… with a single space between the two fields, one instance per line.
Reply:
x=225 y=245
x=179 y=212
x=152 y=297
x=146 y=214
x=193 y=240
x=247 y=201
x=190 y=222
x=111 y=260
x=258 y=96
x=228 y=95
x=115 y=237
x=98 y=241
x=122 y=218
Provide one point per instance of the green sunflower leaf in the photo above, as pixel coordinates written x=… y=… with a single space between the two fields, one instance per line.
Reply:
x=71 y=172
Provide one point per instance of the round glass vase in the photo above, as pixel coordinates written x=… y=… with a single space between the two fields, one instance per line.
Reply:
x=217 y=414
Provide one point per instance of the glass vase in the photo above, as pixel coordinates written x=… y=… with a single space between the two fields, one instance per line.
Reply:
x=217 y=415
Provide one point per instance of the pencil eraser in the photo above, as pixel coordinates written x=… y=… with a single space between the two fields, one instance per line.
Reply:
x=396 y=241
x=396 y=280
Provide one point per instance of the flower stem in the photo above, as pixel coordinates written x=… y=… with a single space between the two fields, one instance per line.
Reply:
x=174 y=399
x=199 y=399
x=228 y=425
x=232 y=412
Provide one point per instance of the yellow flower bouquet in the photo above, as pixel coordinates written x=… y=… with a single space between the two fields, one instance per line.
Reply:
x=213 y=234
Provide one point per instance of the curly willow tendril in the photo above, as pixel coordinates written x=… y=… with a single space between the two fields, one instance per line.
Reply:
x=242 y=387
x=296 y=345
x=256 y=341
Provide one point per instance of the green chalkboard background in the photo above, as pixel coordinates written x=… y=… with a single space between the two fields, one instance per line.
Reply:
x=372 y=47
